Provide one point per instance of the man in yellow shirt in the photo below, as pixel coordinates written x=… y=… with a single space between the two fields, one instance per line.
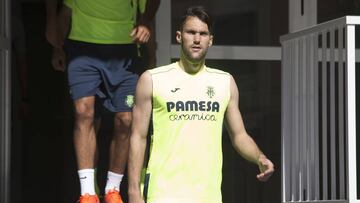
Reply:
x=188 y=103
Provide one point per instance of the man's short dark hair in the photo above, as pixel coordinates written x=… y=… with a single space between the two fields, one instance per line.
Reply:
x=199 y=12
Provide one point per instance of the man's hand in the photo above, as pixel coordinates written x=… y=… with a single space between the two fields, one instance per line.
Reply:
x=266 y=168
x=140 y=34
x=58 y=59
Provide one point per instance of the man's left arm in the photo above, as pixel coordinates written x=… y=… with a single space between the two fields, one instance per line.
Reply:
x=241 y=141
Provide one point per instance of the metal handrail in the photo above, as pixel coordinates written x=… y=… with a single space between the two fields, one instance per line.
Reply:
x=346 y=20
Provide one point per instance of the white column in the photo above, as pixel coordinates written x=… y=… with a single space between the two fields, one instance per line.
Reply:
x=163 y=33
x=302 y=14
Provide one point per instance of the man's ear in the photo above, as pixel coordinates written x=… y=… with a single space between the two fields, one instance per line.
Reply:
x=211 y=40
x=178 y=37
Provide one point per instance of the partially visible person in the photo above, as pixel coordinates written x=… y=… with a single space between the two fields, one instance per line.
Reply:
x=57 y=28
x=58 y=19
x=101 y=54
x=51 y=29
x=148 y=50
x=188 y=103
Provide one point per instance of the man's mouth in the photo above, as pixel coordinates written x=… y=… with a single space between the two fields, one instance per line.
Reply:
x=196 y=48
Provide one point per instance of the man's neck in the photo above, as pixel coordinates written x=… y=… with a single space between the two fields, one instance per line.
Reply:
x=189 y=66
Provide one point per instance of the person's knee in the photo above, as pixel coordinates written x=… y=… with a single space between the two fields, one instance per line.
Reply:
x=123 y=120
x=84 y=112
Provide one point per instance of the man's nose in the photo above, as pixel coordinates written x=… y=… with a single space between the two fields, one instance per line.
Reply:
x=197 y=38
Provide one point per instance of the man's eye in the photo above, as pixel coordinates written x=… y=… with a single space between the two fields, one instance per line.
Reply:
x=192 y=32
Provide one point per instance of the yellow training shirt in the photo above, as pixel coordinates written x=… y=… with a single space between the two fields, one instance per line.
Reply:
x=185 y=162
x=102 y=21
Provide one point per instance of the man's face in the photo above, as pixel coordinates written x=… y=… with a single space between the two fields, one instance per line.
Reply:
x=195 y=39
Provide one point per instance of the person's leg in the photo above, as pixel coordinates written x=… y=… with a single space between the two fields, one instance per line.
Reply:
x=85 y=143
x=119 y=82
x=84 y=81
x=119 y=149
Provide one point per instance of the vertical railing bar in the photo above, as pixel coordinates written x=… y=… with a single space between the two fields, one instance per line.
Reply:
x=316 y=118
x=309 y=113
x=290 y=137
x=351 y=113
x=302 y=118
x=324 y=118
x=341 y=114
x=284 y=126
x=291 y=155
x=286 y=121
x=332 y=116
x=291 y=116
x=292 y=76
x=295 y=122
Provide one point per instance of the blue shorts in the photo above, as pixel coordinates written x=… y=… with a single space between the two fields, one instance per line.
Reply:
x=103 y=70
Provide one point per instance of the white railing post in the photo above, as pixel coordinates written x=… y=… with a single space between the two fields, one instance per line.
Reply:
x=351 y=112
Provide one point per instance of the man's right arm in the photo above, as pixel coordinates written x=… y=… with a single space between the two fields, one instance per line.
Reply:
x=51 y=22
x=141 y=118
x=63 y=26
